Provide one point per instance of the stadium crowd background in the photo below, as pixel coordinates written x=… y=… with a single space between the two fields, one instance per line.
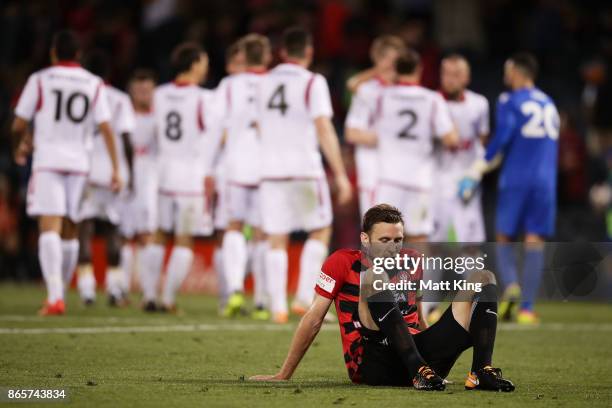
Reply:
x=572 y=40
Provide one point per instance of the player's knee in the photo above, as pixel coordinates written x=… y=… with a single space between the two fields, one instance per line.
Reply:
x=485 y=277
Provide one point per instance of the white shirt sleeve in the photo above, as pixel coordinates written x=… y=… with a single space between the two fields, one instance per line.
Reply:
x=29 y=98
x=319 y=100
x=213 y=135
x=442 y=121
x=361 y=110
x=126 y=121
x=101 y=110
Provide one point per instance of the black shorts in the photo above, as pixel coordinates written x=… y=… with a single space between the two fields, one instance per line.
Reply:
x=440 y=345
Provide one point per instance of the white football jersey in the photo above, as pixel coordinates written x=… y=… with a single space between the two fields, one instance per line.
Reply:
x=143 y=137
x=185 y=124
x=409 y=118
x=144 y=144
x=236 y=99
x=65 y=101
x=361 y=116
x=470 y=115
x=122 y=121
x=290 y=98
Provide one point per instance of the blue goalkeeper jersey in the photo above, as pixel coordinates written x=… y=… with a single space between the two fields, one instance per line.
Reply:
x=526 y=134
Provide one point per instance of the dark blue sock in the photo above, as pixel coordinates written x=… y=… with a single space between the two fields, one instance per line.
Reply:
x=506 y=264
x=532 y=275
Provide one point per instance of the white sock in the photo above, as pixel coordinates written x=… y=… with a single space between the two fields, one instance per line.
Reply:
x=86 y=282
x=313 y=256
x=114 y=280
x=127 y=266
x=260 y=289
x=178 y=268
x=50 y=257
x=221 y=278
x=70 y=258
x=150 y=271
x=276 y=269
x=235 y=254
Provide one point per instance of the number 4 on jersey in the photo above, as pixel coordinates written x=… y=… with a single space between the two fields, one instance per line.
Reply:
x=278 y=101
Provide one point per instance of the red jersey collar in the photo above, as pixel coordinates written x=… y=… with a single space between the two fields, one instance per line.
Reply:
x=181 y=83
x=446 y=96
x=67 y=63
x=257 y=71
x=407 y=83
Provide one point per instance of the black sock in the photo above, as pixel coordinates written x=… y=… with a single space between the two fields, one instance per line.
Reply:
x=483 y=326
x=388 y=318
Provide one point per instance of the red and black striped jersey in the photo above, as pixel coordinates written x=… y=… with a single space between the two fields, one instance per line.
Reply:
x=339 y=280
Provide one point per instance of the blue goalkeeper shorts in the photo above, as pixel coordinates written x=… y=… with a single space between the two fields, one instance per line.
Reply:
x=530 y=210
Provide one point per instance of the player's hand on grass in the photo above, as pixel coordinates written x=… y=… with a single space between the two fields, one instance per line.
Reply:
x=345 y=190
x=267 y=377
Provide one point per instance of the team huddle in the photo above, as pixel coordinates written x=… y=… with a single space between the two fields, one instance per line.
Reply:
x=177 y=161
x=180 y=161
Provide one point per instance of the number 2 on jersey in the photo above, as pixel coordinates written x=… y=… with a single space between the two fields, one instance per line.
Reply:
x=412 y=120
x=278 y=101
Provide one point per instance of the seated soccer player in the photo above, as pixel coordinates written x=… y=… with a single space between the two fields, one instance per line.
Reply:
x=380 y=329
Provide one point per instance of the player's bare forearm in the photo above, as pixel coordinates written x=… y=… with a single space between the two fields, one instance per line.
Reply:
x=362 y=76
x=331 y=150
x=109 y=141
x=304 y=335
x=361 y=137
x=22 y=138
x=330 y=145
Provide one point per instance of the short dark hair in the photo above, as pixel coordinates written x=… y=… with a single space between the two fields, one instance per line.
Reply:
x=143 y=74
x=526 y=62
x=407 y=62
x=97 y=62
x=66 y=45
x=256 y=46
x=381 y=213
x=185 y=55
x=295 y=41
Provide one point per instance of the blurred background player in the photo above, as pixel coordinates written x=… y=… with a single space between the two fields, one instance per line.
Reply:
x=236 y=97
x=526 y=139
x=64 y=101
x=184 y=138
x=409 y=118
x=470 y=114
x=384 y=51
x=234 y=64
x=100 y=210
x=294 y=120
x=139 y=217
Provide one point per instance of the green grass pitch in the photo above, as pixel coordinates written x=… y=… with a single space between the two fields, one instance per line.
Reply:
x=110 y=357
